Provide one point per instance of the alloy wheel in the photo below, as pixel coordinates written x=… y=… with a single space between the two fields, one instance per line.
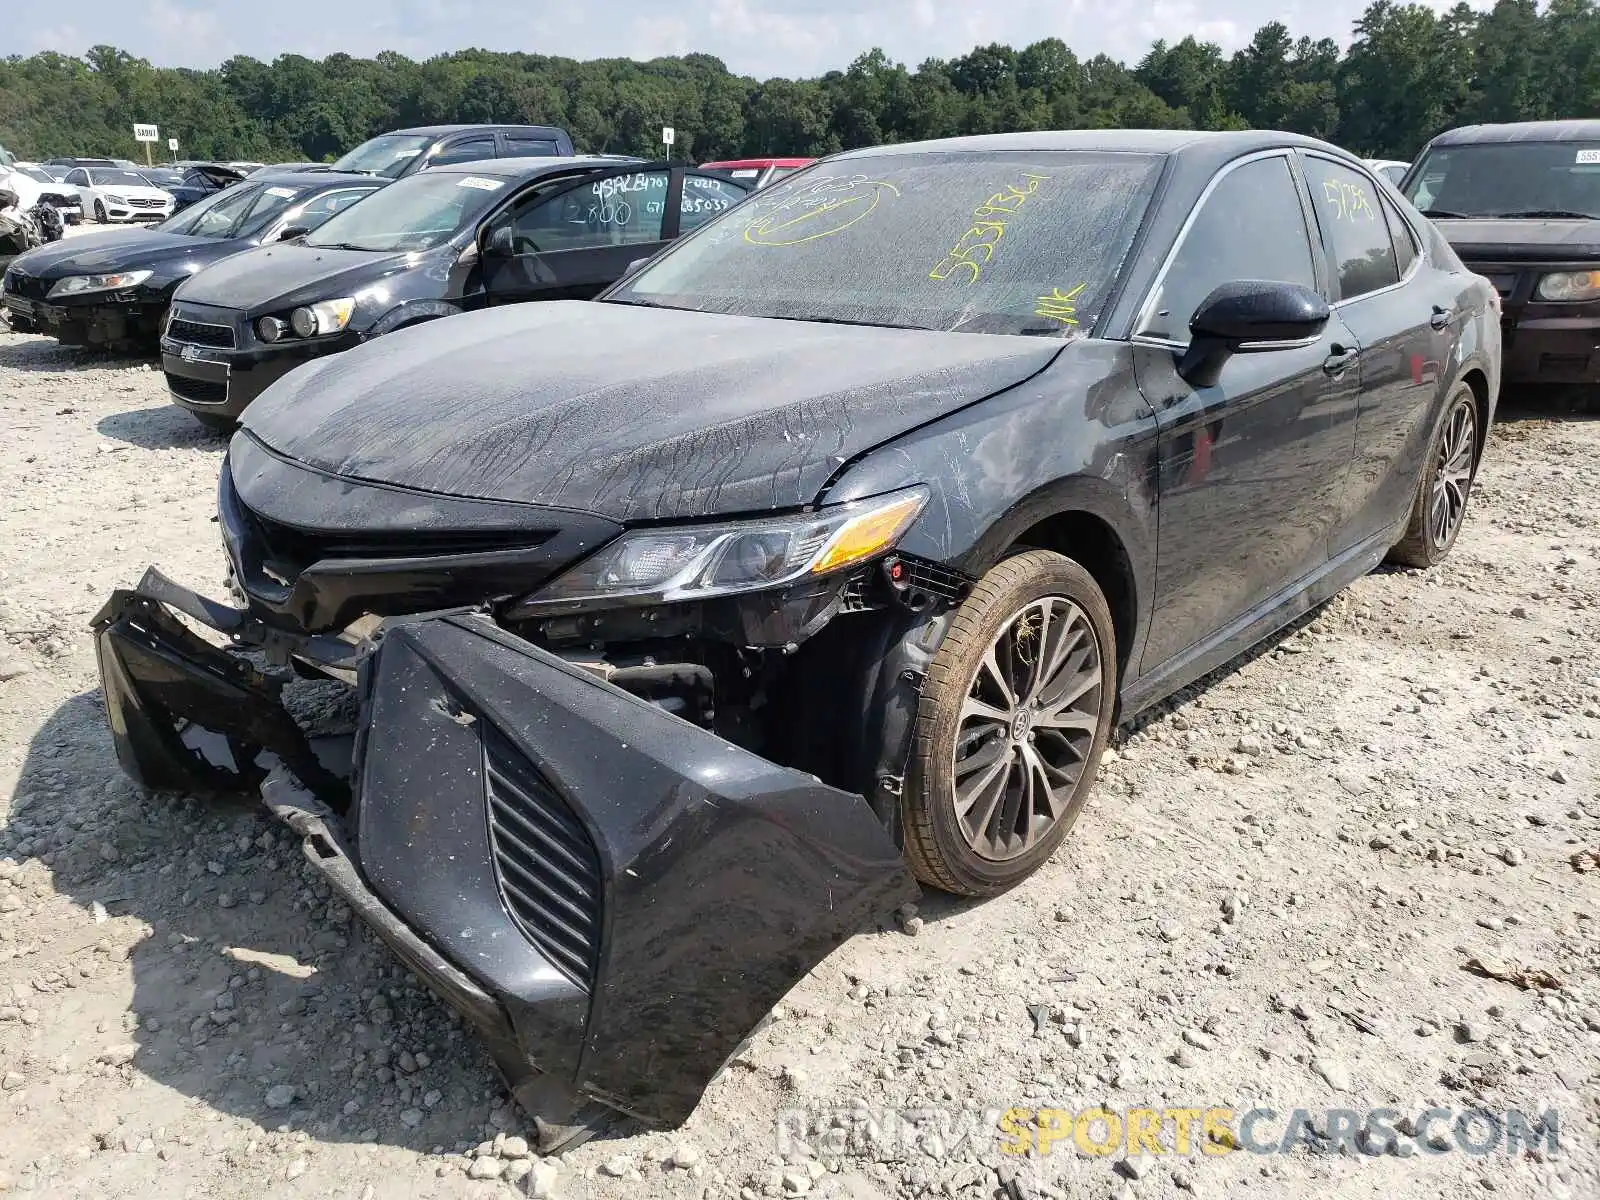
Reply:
x=1026 y=729
x=1452 y=475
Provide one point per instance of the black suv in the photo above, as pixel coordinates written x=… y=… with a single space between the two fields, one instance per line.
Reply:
x=1521 y=205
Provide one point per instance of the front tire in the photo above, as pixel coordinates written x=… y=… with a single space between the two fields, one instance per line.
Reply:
x=1014 y=713
x=1439 y=508
x=99 y=212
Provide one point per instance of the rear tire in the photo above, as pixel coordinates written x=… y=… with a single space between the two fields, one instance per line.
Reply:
x=1013 y=716
x=1439 y=507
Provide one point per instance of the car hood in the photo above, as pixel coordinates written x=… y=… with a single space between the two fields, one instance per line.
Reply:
x=1519 y=240
x=627 y=412
x=269 y=278
x=125 y=250
x=133 y=191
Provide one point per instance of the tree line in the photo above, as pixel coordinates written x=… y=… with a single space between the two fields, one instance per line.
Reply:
x=1409 y=73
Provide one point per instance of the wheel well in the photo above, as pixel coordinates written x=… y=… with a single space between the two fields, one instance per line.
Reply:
x=1095 y=546
x=1475 y=380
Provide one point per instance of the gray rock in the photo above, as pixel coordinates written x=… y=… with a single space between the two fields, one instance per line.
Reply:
x=685 y=1155
x=1513 y=856
x=1137 y=1168
x=411 y=1118
x=540 y=1183
x=281 y=1095
x=796 y=1183
x=617 y=1166
x=487 y=1167
x=515 y=1146
x=1334 y=1072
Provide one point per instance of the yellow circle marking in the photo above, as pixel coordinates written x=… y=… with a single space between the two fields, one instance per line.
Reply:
x=835 y=216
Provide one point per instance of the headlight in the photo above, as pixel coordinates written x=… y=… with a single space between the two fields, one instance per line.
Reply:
x=73 y=285
x=1570 y=285
x=116 y=199
x=698 y=562
x=316 y=320
x=272 y=329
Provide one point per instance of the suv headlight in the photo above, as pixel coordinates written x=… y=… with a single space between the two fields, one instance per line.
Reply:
x=74 y=285
x=1570 y=285
x=696 y=562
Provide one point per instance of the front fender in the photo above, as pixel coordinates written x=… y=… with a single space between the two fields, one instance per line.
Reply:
x=410 y=313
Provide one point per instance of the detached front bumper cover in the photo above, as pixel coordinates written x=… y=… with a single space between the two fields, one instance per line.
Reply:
x=613 y=897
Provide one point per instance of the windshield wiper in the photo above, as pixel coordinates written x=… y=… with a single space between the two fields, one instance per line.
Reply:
x=1446 y=214
x=1550 y=213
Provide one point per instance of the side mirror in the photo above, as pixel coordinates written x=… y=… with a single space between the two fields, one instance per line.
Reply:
x=293 y=231
x=1247 y=316
x=500 y=243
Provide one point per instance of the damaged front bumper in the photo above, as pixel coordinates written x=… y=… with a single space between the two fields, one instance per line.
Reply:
x=611 y=896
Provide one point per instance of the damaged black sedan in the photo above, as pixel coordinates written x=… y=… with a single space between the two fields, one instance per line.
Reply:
x=831 y=543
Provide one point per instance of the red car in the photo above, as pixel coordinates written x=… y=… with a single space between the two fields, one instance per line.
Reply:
x=758 y=171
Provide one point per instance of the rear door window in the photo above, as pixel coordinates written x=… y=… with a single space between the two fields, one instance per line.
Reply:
x=1405 y=242
x=523 y=146
x=471 y=150
x=1353 y=227
x=1251 y=226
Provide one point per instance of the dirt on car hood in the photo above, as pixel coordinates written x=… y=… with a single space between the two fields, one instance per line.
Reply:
x=628 y=412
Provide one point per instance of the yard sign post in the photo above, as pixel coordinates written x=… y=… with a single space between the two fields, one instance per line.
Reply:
x=146 y=134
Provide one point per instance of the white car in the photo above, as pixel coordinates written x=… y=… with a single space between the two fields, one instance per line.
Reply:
x=52 y=190
x=117 y=194
x=1390 y=168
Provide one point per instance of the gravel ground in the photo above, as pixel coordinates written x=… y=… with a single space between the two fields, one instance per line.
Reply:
x=1277 y=897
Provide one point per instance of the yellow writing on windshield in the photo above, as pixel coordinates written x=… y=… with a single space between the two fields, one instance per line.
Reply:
x=1349 y=200
x=975 y=247
x=821 y=210
x=1060 y=306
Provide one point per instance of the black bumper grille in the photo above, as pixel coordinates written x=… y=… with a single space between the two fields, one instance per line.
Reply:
x=198 y=391
x=199 y=333
x=548 y=868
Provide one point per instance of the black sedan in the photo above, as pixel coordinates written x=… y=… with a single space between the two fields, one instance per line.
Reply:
x=439 y=242
x=113 y=288
x=824 y=552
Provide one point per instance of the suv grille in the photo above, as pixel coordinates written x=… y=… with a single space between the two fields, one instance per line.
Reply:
x=200 y=334
x=548 y=869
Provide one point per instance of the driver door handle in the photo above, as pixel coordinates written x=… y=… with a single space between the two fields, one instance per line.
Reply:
x=1442 y=317
x=1340 y=361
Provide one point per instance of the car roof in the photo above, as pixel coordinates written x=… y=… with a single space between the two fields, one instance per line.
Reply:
x=1199 y=150
x=319 y=179
x=731 y=164
x=442 y=130
x=531 y=167
x=1521 y=131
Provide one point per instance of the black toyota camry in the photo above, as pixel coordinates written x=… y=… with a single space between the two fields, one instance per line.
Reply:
x=823 y=554
x=113 y=288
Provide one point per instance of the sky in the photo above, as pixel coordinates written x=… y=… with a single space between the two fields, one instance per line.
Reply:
x=754 y=37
